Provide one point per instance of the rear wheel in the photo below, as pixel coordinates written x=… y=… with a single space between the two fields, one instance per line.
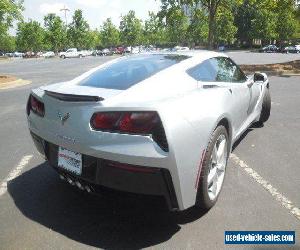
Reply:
x=213 y=168
x=266 y=108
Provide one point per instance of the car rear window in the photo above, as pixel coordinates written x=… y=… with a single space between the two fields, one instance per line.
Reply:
x=130 y=71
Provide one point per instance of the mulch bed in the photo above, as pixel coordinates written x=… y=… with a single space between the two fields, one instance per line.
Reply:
x=288 y=67
x=6 y=78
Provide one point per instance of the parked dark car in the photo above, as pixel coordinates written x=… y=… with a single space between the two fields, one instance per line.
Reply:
x=97 y=53
x=269 y=49
x=107 y=52
x=291 y=49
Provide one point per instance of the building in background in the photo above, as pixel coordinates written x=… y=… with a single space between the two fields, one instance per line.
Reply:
x=188 y=10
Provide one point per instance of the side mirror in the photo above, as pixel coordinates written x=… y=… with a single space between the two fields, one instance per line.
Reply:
x=259 y=77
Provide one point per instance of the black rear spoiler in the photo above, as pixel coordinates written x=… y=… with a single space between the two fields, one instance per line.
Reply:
x=74 y=98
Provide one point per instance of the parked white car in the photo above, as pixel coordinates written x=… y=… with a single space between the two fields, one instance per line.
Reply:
x=87 y=52
x=178 y=48
x=18 y=54
x=48 y=54
x=133 y=50
x=71 y=53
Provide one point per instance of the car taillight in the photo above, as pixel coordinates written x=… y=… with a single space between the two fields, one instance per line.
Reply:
x=138 y=122
x=105 y=121
x=146 y=122
x=35 y=106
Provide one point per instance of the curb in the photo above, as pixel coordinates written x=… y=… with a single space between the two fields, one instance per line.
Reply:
x=14 y=84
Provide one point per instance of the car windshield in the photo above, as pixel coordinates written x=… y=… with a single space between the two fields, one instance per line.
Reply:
x=130 y=71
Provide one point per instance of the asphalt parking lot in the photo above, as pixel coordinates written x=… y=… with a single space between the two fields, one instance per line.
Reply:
x=39 y=211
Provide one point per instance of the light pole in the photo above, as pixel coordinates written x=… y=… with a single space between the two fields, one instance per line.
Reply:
x=65 y=9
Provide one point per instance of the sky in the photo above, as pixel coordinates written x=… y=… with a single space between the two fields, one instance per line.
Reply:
x=94 y=11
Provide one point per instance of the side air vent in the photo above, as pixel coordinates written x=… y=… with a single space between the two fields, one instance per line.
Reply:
x=74 y=98
x=210 y=86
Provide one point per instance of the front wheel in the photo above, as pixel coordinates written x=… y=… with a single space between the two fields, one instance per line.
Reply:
x=213 y=168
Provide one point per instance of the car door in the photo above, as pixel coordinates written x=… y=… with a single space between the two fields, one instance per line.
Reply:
x=219 y=72
x=229 y=75
x=237 y=77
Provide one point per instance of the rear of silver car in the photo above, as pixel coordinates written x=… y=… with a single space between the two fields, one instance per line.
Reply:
x=89 y=158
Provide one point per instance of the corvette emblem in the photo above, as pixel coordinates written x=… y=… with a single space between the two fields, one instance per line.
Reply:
x=62 y=117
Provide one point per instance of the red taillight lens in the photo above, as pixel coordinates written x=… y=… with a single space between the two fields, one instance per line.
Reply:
x=36 y=106
x=138 y=122
x=142 y=122
x=105 y=121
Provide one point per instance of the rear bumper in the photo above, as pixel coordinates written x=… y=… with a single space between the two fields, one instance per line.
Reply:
x=101 y=172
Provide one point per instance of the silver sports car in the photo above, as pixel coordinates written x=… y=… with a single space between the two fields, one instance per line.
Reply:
x=161 y=124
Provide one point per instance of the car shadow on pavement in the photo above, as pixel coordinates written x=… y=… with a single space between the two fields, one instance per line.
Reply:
x=254 y=126
x=112 y=221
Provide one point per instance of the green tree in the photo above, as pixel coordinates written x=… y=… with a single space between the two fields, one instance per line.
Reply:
x=244 y=14
x=256 y=19
x=7 y=43
x=93 y=39
x=263 y=26
x=130 y=29
x=110 y=35
x=177 y=25
x=297 y=16
x=210 y=6
x=10 y=10
x=225 y=29
x=286 y=23
x=198 y=28
x=55 y=34
x=30 y=36
x=78 y=31
x=154 y=31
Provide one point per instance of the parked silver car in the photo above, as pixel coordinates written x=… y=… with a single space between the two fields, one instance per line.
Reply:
x=161 y=124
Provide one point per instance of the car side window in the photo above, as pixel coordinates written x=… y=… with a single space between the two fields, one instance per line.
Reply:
x=218 y=69
x=228 y=71
x=204 y=72
x=238 y=75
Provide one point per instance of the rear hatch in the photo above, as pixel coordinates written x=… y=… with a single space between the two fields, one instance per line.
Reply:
x=66 y=122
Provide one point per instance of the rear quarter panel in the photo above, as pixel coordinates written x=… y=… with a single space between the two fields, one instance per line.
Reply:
x=189 y=122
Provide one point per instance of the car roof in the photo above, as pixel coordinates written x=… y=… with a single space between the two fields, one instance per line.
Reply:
x=194 y=56
x=190 y=53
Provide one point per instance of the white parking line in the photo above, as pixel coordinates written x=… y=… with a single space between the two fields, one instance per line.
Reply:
x=284 y=201
x=14 y=173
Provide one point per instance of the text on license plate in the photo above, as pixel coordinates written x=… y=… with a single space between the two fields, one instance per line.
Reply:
x=70 y=160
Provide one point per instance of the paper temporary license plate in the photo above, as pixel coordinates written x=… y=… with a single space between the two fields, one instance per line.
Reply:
x=70 y=160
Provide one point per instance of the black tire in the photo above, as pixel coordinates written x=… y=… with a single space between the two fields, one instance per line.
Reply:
x=203 y=200
x=266 y=108
x=63 y=57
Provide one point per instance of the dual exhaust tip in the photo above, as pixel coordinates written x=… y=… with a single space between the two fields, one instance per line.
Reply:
x=76 y=183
